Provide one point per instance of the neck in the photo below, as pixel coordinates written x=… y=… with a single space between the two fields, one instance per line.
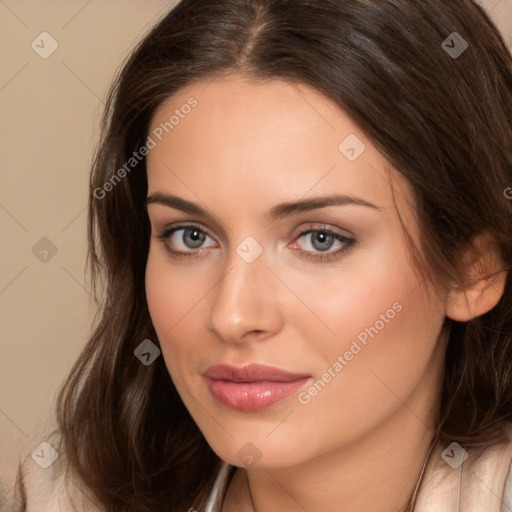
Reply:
x=378 y=471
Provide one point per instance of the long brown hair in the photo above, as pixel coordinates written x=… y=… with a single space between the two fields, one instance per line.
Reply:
x=443 y=120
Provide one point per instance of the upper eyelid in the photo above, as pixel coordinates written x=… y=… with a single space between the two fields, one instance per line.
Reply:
x=184 y=225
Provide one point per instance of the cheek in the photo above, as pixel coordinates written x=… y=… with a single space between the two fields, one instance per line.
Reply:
x=369 y=294
x=175 y=295
x=168 y=303
x=370 y=379
x=386 y=332
x=374 y=328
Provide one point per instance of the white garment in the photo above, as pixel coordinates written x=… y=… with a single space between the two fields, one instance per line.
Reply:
x=219 y=489
x=481 y=484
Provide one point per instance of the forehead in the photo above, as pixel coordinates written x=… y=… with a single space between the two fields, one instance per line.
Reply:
x=267 y=140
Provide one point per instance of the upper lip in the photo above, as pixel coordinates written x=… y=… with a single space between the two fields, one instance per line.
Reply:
x=251 y=373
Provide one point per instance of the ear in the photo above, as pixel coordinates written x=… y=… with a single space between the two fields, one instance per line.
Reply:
x=484 y=285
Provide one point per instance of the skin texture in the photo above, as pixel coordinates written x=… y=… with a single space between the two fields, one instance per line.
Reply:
x=360 y=443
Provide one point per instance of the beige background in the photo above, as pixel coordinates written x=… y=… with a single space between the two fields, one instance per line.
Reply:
x=49 y=117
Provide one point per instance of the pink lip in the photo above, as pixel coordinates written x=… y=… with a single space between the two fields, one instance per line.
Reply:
x=252 y=387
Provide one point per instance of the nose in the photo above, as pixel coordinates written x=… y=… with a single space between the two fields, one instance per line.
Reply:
x=245 y=302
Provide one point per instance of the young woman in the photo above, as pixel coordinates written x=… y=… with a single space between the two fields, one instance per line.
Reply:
x=301 y=223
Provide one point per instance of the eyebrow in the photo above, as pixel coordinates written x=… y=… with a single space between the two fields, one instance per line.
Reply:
x=277 y=212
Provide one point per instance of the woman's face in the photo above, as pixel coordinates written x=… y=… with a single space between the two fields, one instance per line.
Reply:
x=328 y=294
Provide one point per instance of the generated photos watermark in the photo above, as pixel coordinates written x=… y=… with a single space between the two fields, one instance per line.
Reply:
x=357 y=345
x=152 y=141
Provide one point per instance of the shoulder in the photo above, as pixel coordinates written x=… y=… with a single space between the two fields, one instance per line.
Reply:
x=468 y=480
x=51 y=488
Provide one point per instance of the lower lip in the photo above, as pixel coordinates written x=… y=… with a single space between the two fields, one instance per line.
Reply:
x=252 y=396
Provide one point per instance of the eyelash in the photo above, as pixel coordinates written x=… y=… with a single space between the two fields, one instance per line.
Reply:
x=319 y=257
